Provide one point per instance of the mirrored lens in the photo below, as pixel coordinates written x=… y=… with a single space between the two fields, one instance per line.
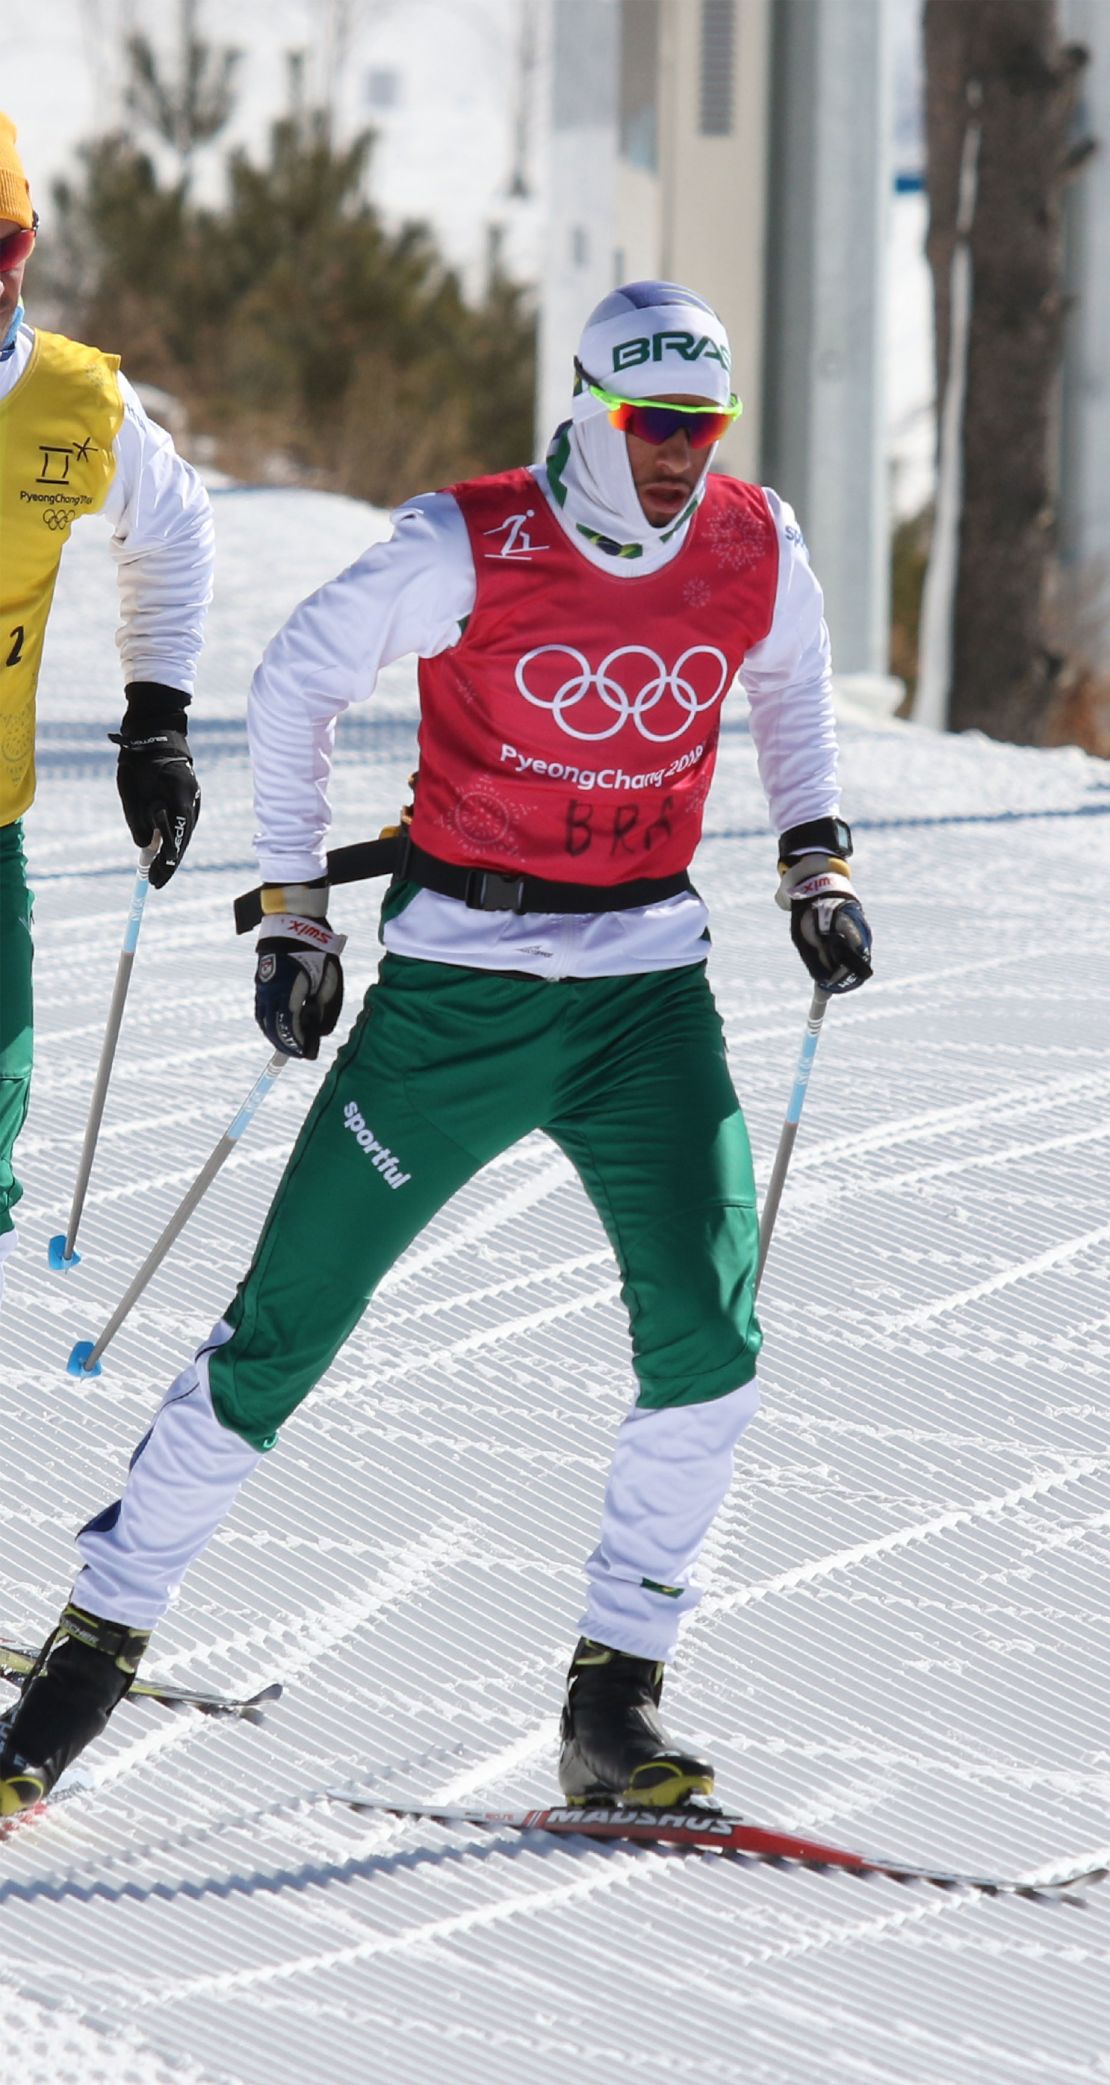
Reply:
x=657 y=423
x=15 y=249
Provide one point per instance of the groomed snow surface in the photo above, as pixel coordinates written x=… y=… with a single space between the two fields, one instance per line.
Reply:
x=903 y=1642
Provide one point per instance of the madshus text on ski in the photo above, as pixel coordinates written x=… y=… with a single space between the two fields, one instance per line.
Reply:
x=545 y=947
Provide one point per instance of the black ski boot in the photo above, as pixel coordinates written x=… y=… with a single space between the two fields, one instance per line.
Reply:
x=614 y=1747
x=84 y=1668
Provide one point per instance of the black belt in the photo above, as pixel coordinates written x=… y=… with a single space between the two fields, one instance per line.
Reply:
x=495 y=890
x=483 y=890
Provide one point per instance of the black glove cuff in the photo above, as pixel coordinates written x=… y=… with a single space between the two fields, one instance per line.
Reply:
x=153 y=707
x=818 y=836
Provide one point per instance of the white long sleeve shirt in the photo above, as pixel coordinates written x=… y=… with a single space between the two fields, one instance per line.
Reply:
x=162 y=540
x=410 y=595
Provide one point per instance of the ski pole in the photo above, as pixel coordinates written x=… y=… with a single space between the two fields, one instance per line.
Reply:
x=773 y=1196
x=60 y=1252
x=85 y=1358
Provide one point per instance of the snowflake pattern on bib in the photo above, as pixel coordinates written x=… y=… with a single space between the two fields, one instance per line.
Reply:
x=481 y=819
x=737 y=540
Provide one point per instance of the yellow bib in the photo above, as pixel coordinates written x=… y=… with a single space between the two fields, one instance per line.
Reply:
x=57 y=427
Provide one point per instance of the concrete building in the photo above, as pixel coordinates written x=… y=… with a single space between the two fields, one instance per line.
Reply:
x=743 y=146
x=579 y=190
x=824 y=399
x=658 y=167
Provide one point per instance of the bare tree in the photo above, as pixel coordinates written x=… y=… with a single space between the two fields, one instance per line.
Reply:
x=192 y=108
x=1000 y=96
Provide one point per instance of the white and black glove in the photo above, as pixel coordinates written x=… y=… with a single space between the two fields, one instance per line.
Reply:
x=827 y=924
x=298 y=979
x=157 y=784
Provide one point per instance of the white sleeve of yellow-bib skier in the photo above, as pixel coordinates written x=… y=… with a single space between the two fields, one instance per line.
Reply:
x=164 y=546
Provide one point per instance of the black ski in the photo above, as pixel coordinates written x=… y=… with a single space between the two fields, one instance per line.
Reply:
x=16 y=1661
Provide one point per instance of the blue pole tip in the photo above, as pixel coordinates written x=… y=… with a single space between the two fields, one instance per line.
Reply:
x=75 y=1366
x=56 y=1254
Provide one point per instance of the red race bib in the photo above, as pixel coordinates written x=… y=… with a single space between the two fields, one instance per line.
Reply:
x=572 y=732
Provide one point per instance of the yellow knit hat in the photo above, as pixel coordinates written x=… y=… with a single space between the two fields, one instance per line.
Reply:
x=15 y=193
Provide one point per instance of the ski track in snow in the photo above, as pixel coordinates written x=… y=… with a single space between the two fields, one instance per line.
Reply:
x=902 y=1639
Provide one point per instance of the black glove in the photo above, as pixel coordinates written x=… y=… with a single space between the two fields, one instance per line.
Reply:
x=827 y=924
x=157 y=786
x=298 y=979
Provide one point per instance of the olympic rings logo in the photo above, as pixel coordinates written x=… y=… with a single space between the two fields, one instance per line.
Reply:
x=56 y=518
x=649 y=684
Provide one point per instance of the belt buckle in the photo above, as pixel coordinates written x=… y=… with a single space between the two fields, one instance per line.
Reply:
x=487 y=891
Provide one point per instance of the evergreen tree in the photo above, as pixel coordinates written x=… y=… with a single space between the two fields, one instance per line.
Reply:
x=293 y=323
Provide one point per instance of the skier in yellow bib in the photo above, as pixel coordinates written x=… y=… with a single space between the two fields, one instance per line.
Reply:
x=74 y=440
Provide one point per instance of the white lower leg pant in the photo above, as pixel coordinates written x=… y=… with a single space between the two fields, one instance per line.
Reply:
x=182 y=1481
x=670 y=1472
x=671 y=1469
x=7 y=1247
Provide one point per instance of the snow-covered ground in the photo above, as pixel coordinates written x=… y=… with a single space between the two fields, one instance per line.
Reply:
x=903 y=1644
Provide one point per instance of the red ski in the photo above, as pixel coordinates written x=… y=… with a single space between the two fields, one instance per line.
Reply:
x=715 y=1831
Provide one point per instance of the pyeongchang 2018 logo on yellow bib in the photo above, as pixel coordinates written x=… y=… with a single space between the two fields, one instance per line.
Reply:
x=632 y=686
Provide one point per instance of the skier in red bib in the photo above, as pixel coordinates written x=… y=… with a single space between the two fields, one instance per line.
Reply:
x=579 y=626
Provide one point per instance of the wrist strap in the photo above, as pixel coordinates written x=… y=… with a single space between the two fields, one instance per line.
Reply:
x=816 y=836
x=307 y=900
x=313 y=934
x=815 y=876
x=151 y=706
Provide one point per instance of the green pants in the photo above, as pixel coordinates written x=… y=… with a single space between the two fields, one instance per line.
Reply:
x=15 y=1009
x=445 y=1068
